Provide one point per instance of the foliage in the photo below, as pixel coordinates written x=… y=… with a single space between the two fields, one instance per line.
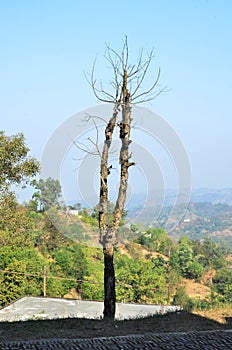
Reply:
x=93 y=286
x=140 y=281
x=195 y=271
x=156 y=239
x=16 y=167
x=16 y=228
x=88 y=219
x=182 y=299
x=32 y=273
x=222 y=284
x=202 y=304
x=182 y=258
x=72 y=262
x=48 y=194
x=209 y=254
x=13 y=217
x=13 y=285
x=31 y=240
x=192 y=257
x=52 y=234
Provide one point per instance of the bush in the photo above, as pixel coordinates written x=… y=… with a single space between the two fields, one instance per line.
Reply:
x=195 y=271
x=182 y=299
x=202 y=304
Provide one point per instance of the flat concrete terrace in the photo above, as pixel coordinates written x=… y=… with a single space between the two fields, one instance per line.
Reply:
x=29 y=308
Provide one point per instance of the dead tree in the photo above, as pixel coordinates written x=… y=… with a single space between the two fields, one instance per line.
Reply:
x=127 y=83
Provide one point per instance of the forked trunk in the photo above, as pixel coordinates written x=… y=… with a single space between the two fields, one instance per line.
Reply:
x=127 y=83
x=108 y=231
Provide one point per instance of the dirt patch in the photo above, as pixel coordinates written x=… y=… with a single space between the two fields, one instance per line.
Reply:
x=196 y=290
x=134 y=249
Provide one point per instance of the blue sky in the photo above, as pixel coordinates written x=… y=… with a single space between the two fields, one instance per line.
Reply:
x=46 y=46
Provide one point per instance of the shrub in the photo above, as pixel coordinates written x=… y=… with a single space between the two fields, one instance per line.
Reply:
x=182 y=299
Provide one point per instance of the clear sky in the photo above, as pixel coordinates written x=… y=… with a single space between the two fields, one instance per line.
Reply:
x=46 y=46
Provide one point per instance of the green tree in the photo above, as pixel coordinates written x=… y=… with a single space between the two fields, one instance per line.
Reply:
x=52 y=234
x=141 y=281
x=16 y=166
x=156 y=239
x=222 y=284
x=181 y=298
x=152 y=283
x=195 y=271
x=92 y=288
x=209 y=254
x=15 y=225
x=73 y=263
x=182 y=258
x=13 y=282
x=33 y=263
x=49 y=193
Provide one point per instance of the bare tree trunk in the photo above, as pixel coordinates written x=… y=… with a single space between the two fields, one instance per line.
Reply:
x=111 y=229
x=124 y=75
x=109 y=284
x=107 y=239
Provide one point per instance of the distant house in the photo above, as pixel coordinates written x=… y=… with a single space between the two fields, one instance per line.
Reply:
x=187 y=220
x=73 y=212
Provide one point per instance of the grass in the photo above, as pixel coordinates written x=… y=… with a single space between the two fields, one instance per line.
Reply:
x=84 y=328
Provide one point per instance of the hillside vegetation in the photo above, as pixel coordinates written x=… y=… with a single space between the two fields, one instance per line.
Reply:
x=51 y=250
x=62 y=249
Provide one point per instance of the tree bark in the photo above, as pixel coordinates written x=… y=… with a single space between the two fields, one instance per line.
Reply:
x=109 y=284
x=108 y=231
x=107 y=239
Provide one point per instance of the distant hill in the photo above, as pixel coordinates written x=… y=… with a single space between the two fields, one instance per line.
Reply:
x=209 y=214
x=204 y=219
x=212 y=195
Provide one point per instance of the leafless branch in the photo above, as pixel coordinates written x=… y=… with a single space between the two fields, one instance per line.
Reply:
x=96 y=91
x=143 y=68
x=128 y=80
x=83 y=147
x=109 y=48
x=95 y=144
x=152 y=97
x=147 y=92
x=136 y=74
x=89 y=117
x=125 y=54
